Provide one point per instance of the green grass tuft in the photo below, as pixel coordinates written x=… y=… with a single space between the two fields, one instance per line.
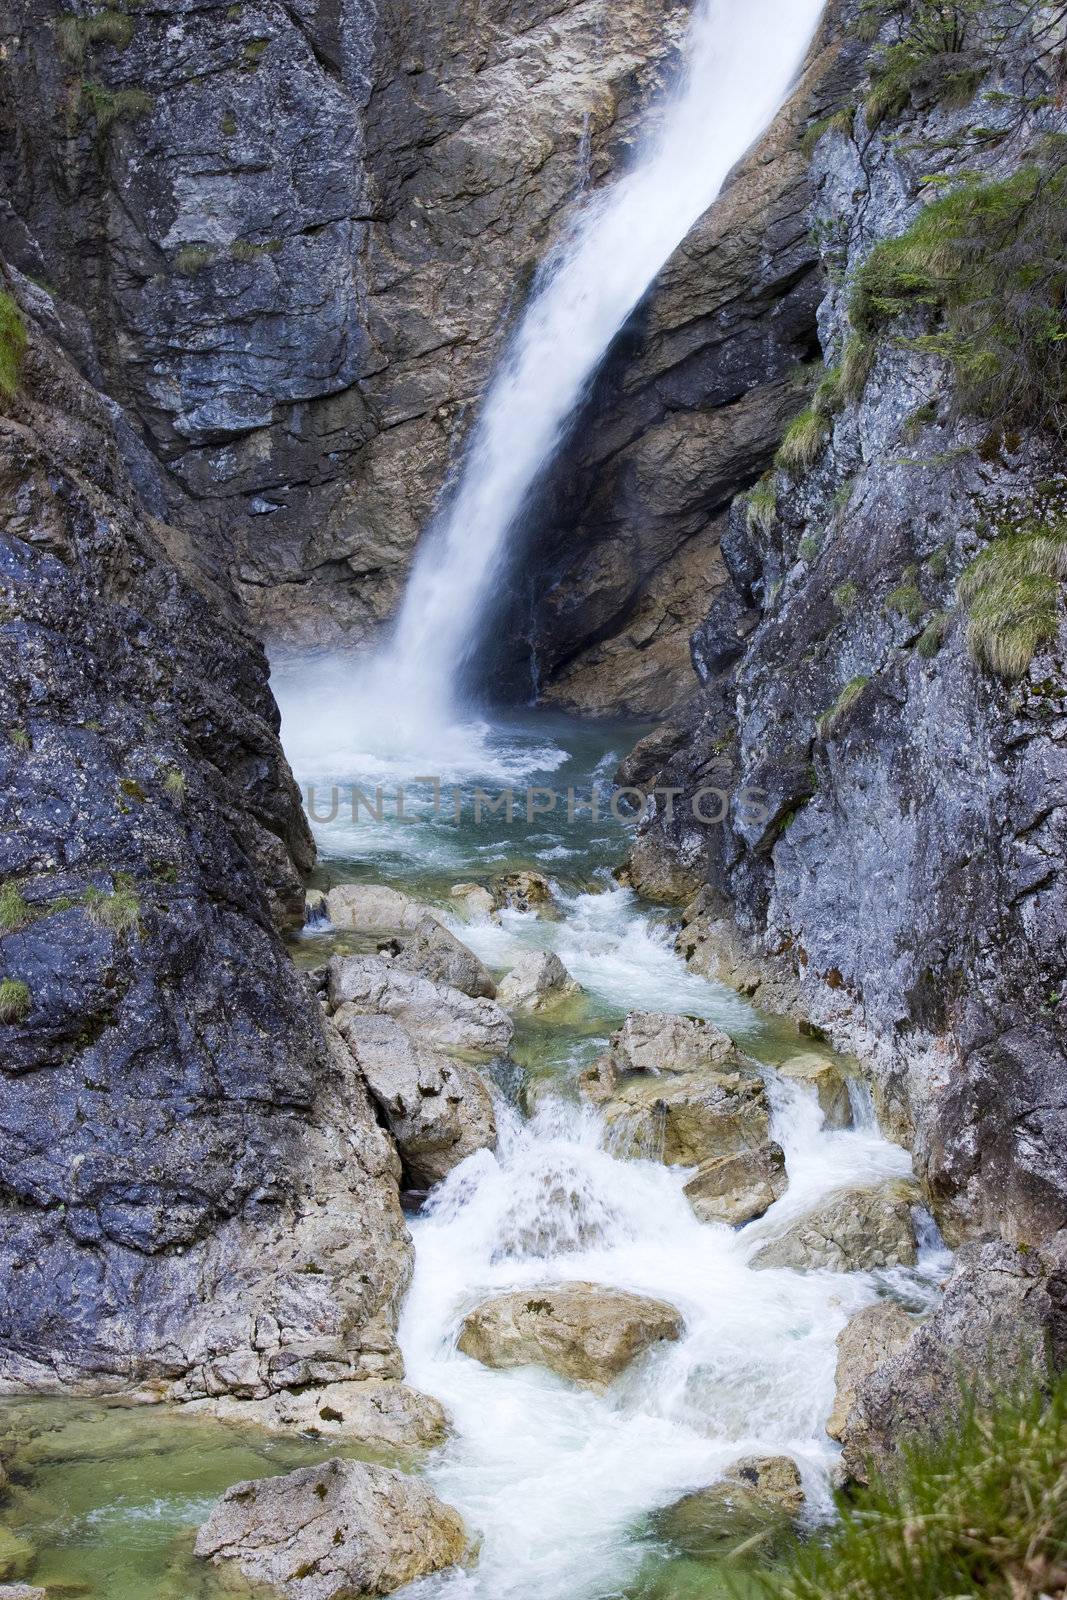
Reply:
x=12 y=344
x=841 y=706
x=803 y=444
x=981 y=1512
x=120 y=911
x=14 y=912
x=14 y=1000
x=988 y=264
x=1011 y=593
x=761 y=505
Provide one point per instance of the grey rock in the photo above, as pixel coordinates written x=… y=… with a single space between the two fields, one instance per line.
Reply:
x=343 y=1529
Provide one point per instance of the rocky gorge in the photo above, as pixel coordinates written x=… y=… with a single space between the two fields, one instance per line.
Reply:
x=258 y=265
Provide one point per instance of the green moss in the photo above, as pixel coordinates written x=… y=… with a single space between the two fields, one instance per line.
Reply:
x=841 y=706
x=14 y=1000
x=12 y=344
x=14 y=912
x=845 y=596
x=987 y=263
x=193 y=258
x=761 y=505
x=934 y=634
x=1011 y=593
x=108 y=106
x=120 y=911
x=906 y=599
x=803 y=443
x=981 y=1511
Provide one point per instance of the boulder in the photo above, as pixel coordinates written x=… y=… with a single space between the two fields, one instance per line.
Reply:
x=866 y=1340
x=435 y=953
x=374 y=908
x=736 y=1189
x=853 y=1230
x=435 y=1013
x=439 y=1111
x=758 y=1499
x=657 y=1042
x=375 y=1412
x=683 y=1119
x=524 y=891
x=474 y=901
x=583 y=1331
x=536 y=982
x=826 y=1077
x=337 y=1531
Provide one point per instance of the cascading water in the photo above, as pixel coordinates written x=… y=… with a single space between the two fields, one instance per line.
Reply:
x=740 y=61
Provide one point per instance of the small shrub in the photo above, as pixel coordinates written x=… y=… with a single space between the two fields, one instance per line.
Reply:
x=845 y=596
x=174 y=786
x=14 y=1000
x=14 y=912
x=803 y=443
x=934 y=635
x=841 y=706
x=1011 y=593
x=120 y=911
x=193 y=258
x=761 y=505
x=12 y=344
x=906 y=599
x=979 y=1511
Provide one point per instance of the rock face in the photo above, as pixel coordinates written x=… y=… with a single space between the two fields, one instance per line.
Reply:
x=738 y=1188
x=439 y=1016
x=758 y=1499
x=869 y=1338
x=374 y=1412
x=854 y=1230
x=537 y=982
x=435 y=953
x=438 y=1111
x=180 y=1141
x=583 y=1331
x=341 y=1530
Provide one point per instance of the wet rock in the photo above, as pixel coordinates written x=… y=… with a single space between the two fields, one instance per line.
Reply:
x=333 y=1532
x=738 y=1188
x=682 y=1119
x=866 y=1340
x=524 y=891
x=439 y=1111
x=436 y=1014
x=17 y=1556
x=475 y=902
x=757 y=1502
x=583 y=1331
x=854 y=1230
x=1001 y=1323
x=374 y=908
x=435 y=953
x=825 y=1076
x=374 y=1412
x=536 y=982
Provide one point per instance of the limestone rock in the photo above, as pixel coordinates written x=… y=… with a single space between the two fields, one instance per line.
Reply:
x=583 y=1331
x=758 y=1499
x=475 y=902
x=866 y=1340
x=374 y=1412
x=683 y=1119
x=853 y=1230
x=524 y=891
x=374 y=908
x=434 y=952
x=738 y=1188
x=435 y=1013
x=825 y=1076
x=338 y=1531
x=536 y=982
x=439 y=1111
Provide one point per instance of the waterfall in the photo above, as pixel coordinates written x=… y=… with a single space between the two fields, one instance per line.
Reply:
x=741 y=57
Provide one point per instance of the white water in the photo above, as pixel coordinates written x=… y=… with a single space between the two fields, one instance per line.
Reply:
x=740 y=60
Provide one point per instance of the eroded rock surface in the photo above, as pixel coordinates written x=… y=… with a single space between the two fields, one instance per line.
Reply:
x=341 y=1530
x=584 y=1331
